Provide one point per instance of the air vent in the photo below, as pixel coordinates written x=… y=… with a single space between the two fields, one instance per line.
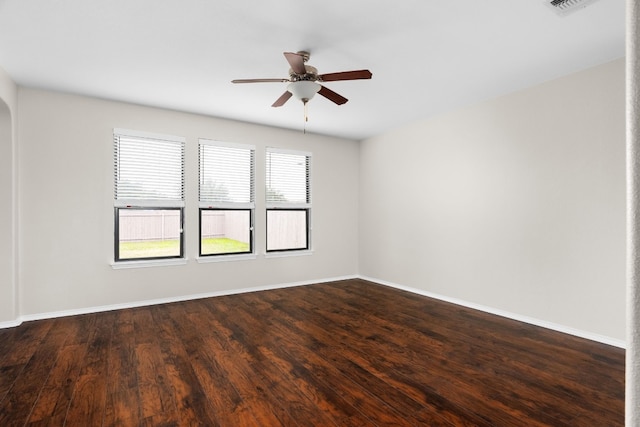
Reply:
x=565 y=7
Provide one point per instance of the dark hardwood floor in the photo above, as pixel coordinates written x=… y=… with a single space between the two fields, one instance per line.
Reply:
x=347 y=353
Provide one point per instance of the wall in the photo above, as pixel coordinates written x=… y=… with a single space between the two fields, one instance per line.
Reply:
x=66 y=206
x=632 y=368
x=8 y=293
x=516 y=204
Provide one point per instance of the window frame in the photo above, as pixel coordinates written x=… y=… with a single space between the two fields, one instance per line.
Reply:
x=141 y=203
x=147 y=208
x=206 y=204
x=228 y=254
x=289 y=206
x=307 y=228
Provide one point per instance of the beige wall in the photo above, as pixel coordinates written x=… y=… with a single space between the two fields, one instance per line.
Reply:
x=516 y=204
x=8 y=281
x=66 y=206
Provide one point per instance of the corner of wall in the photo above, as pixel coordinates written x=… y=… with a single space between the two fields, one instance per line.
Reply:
x=9 y=307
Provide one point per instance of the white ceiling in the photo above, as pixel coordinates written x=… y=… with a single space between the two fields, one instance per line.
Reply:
x=426 y=56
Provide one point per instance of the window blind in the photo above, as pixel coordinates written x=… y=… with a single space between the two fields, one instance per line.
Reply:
x=226 y=174
x=288 y=178
x=149 y=169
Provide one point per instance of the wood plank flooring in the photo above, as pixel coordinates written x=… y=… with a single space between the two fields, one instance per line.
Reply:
x=347 y=353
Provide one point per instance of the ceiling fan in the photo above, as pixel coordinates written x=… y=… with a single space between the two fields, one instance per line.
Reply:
x=304 y=80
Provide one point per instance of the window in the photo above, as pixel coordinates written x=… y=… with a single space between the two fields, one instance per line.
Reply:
x=149 y=196
x=288 y=198
x=226 y=198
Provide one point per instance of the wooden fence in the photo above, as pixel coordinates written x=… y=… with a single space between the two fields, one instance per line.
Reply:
x=139 y=225
x=230 y=224
x=287 y=230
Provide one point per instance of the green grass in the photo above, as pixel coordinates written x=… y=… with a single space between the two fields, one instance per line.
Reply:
x=222 y=245
x=149 y=249
x=168 y=248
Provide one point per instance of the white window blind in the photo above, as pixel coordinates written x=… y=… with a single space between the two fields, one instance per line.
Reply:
x=226 y=175
x=288 y=179
x=149 y=169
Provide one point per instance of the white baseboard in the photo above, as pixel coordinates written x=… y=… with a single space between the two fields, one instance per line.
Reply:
x=537 y=322
x=134 y=304
x=530 y=320
x=10 y=324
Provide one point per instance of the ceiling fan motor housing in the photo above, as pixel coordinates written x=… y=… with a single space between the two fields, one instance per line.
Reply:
x=311 y=74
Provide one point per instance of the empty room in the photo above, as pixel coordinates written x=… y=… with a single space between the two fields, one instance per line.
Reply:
x=353 y=213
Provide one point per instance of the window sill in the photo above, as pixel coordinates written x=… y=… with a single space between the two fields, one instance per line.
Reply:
x=223 y=258
x=148 y=263
x=283 y=254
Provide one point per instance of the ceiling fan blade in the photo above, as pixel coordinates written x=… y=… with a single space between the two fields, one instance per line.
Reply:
x=283 y=98
x=296 y=61
x=260 y=81
x=332 y=96
x=345 y=75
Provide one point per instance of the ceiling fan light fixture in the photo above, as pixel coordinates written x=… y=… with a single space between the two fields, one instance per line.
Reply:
x=304 y=90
